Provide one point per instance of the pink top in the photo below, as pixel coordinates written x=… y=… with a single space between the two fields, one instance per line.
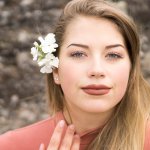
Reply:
x=30 y=137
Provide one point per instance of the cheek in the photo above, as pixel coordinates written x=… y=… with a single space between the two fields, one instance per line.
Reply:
x=68 y=75
x=121 y=78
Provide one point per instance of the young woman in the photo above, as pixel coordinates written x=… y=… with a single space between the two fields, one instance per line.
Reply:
x=98 y=96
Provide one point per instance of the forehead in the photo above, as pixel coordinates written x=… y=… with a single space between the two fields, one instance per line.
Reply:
x=92 y=29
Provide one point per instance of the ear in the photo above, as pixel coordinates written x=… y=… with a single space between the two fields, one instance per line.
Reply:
x=56 y=76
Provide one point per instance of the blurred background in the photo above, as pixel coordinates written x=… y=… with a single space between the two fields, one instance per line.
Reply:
x=22 y=86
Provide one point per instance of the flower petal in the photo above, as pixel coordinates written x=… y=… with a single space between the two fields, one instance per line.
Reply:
x=36 y=44
x=41 y=39
x=46 y=49
x=34 y=52
x=50 y=38
x=49 y=56
x=55 y=62
x=42 y=53
x=46 y=69
x=42 y=62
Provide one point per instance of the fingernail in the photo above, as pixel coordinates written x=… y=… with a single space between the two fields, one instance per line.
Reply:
x=72 y=127
x=41 y=146
x=77 y=137
x=61 y=123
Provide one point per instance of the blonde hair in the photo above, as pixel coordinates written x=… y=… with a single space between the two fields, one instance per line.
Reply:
x=126 y=130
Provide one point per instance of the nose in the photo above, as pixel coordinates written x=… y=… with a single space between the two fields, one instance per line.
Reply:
x=97 y=69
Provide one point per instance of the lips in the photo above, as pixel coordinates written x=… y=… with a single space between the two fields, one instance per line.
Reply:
x=96 y=89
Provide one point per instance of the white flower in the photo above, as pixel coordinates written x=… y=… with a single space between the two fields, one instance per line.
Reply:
x=36 y=44
x=34 y=52
x=49 y=39
x=48 y=44
x=49 y=48
x=42 y=53
x=55 y=62
x=46 y=69
x=48 y=62
x=48 y=58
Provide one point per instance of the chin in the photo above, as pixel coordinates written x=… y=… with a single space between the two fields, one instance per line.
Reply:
x=97 y=110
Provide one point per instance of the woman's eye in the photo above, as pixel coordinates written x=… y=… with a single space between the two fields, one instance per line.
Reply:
x=113 y=56
x=78 y=54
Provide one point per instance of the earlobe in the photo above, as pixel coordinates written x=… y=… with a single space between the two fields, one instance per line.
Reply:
x=56 y=80
x=55 y=76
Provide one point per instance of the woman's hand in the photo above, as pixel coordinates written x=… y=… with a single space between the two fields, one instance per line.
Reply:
x=69 y=142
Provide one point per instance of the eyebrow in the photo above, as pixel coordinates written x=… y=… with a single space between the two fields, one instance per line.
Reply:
x=78 y=45
x=86 y=46
x=114 y=46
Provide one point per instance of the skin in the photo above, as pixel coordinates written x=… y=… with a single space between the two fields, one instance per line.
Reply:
x=70 y=141
x=93 y=52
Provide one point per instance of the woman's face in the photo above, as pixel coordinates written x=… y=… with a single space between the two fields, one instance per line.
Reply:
x=94 y=65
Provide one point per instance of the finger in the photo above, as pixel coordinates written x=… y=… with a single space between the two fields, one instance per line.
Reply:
x=76 y=143
x=56 y=137
x=68 y=138
x=42 y=147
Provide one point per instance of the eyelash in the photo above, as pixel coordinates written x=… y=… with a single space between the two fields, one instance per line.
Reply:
x=113 y=56
x=77 y=54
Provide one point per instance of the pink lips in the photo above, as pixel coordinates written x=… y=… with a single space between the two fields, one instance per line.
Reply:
x=96 y=89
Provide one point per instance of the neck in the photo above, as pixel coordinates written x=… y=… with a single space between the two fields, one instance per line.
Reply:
x=85 y=121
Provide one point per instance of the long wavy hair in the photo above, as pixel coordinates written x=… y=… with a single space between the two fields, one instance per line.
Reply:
x=126 y=129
